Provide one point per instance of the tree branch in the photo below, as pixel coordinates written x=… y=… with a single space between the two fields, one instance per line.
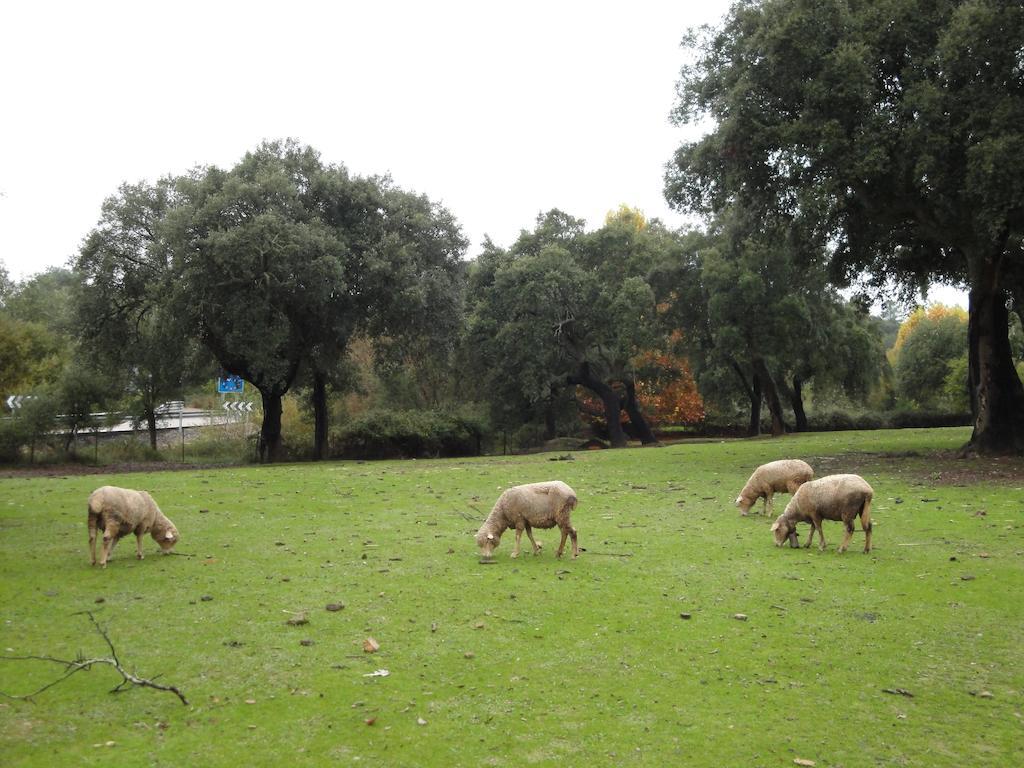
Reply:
x=80 y=663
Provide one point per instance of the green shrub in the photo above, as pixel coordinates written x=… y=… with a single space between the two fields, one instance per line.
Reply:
x=384 y=434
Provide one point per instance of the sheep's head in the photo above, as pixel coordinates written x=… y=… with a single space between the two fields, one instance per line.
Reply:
x=488 y=541
x=744 y=503
x=166 y=538
x=784 y=529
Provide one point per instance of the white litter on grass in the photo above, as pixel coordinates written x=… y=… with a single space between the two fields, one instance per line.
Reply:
x=377 y=673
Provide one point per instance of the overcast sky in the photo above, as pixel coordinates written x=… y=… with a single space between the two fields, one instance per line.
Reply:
x=498 y=111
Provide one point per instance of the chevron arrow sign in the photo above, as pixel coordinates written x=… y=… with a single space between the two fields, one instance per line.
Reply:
x=239 y=406
x=16 y=401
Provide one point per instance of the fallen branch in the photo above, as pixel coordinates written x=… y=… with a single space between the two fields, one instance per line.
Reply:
x=607 y=554
x=81 y=662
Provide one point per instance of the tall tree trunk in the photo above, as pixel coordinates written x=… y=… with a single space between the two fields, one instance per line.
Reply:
x=756 y=398
x=270 y=431
x=771 y=395
x=997 y=397
x=636 y=416
x=796 y=399
x=319 y=398
x=753 y=390
x=151 y=427
x=550 y=427
x=610 y=399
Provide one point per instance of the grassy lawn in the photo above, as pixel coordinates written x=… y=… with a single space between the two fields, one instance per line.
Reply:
x=531 y=661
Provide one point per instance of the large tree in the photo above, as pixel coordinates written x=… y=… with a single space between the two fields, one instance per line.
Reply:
x=280 y=260
x=894 y=130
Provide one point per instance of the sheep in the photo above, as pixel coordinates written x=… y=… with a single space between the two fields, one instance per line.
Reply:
x=833 y=497
x=120 y=511
x=783 y=476
x=524 y=507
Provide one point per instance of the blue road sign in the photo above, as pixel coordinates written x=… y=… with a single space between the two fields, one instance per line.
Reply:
x=229 y=385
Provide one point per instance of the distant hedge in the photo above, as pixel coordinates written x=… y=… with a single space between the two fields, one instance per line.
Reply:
x=386 y=434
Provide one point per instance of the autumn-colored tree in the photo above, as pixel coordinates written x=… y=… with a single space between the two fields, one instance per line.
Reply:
x=667 y=388
x=930 y=358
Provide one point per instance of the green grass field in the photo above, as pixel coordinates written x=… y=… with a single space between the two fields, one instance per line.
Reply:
x=532 y=661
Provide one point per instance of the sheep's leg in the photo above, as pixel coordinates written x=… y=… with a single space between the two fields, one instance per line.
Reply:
x=561 y=544
x=821 y=535
x=519 y=536
x=138 y=545
x=93 y=519
x=575 y=548
x=768 y=505
x=536 y=545
x=865 y=523
x=847 y=536
x=810 y=538
x=109 y=540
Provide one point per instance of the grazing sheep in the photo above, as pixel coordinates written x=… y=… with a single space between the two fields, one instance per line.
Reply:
x=833 y=497
x=120 y=511
x=783 y=476
x=524 y=507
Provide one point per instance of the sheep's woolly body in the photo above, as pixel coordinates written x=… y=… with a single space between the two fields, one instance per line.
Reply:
x=536 y=505
x=784 y=476
x=120 y=511
x=834 y=497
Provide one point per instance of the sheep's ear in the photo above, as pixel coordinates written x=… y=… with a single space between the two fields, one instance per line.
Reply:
x=775 y=525
x=490 y=537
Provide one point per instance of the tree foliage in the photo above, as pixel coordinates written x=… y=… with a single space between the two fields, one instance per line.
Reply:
x=929 y=356
x=563 y=308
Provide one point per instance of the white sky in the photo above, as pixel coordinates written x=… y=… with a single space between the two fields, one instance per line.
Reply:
x=499 y=111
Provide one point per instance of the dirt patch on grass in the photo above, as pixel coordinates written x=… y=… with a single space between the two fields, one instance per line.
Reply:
x=934 y=468
x=68 y=470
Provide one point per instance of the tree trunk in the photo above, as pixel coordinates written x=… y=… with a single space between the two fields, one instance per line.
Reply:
x=756 y=398
x=636 y=416
x=997 y=397
x=753 y=390
x=270 y=431
x=797 y=400
x=771 y=395
x=550 y=426
x=609 y=399
x=150 y=415
x=319 y=398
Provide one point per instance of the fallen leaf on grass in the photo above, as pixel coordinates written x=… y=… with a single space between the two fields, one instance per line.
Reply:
x=801 y=761
x=377 y=673
x=333 y=607
x=370 y=645
x=298 y=619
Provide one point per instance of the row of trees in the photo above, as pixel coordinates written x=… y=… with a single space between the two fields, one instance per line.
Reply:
x=853 y=142
x=298 y=278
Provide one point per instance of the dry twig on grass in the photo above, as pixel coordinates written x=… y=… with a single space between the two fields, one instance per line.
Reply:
x=81 y=662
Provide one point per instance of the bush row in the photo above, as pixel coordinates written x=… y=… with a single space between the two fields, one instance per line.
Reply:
x=408 y=434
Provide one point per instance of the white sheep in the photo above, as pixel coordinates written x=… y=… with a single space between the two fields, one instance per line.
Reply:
x=783 y=476
x=524 y=507
x=833 y=497
x=120 y=511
